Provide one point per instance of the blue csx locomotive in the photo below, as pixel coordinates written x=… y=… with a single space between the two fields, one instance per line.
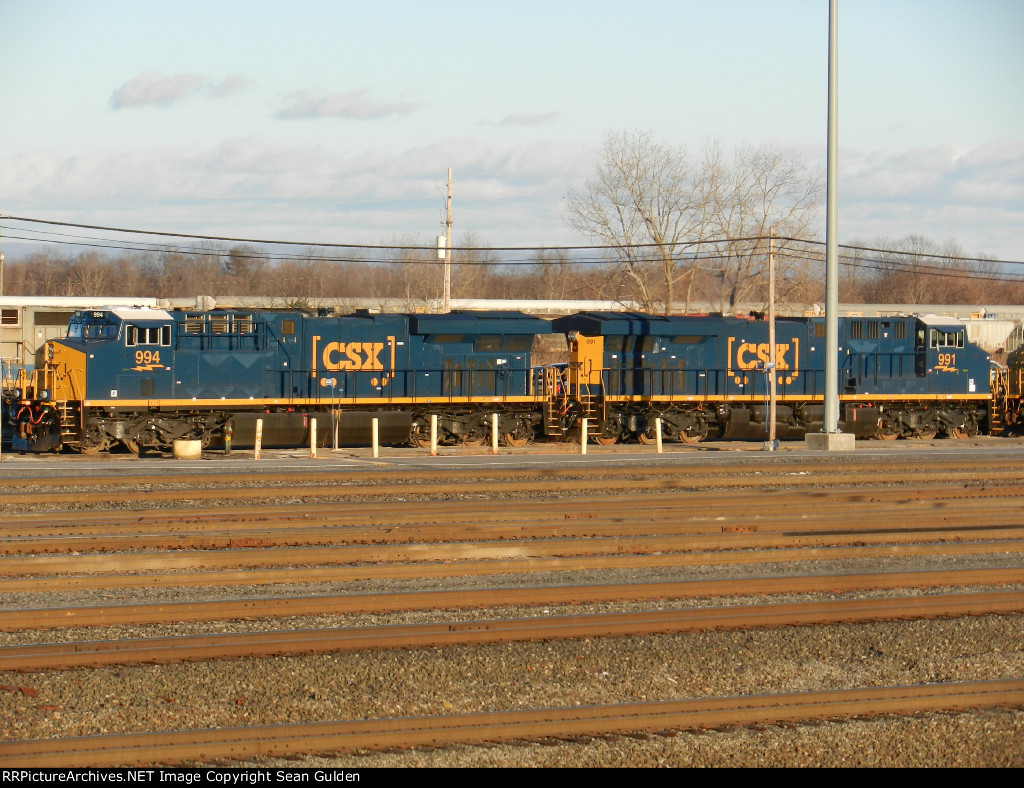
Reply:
x=142 y=378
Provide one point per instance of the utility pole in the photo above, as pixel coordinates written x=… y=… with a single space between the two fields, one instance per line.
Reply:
x=772 y=359
x=448 y=248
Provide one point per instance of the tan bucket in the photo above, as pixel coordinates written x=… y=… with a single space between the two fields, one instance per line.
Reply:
x=188 y=450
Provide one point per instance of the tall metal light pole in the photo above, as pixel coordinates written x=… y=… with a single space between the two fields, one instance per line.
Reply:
x=831 y=415
x=830 y=438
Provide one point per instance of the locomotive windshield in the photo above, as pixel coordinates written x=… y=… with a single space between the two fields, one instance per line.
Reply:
x=93 y=325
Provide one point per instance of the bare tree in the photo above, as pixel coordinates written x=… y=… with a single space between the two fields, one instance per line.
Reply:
x=649 y=204
x=308 y=276
x=473 y=268
x=556 y=275
x=917 y=270
x=763 y=188
x=245 y=265
x=413 y=273
x=667 y=218
x=188 y=274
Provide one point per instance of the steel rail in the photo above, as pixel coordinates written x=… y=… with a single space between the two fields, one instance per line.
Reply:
x=431 y=560
x=344 y=736
x=822 y=504
x=699 y=514
x=844 y=478
x=181 y=648
x=278 y=607
x=778 y=465
x=699 y=536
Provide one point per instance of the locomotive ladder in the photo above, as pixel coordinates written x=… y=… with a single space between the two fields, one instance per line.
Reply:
x=998 y=385
x=589 y=412
x=554 y=402
x=67 y=416
x=557 y=400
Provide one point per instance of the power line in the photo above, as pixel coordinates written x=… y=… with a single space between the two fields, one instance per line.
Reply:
x=900 y=260
x=361 y=246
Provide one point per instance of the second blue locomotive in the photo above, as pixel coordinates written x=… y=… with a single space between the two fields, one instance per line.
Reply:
x=709 y=376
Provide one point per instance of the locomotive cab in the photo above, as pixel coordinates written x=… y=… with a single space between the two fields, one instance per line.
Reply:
x=129 y=353
x=108 y=354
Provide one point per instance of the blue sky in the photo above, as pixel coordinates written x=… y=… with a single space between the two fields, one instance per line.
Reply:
x=337 y=121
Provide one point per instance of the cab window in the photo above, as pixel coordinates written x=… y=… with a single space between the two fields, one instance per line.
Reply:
x=147 y=335
x=945 y=339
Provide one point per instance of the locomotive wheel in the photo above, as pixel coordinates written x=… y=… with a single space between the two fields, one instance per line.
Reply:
x=648 y=437
x=470 y=440
x=887 y=436
x=968 y=430
x=610 y=434
x=694 y=434
x=93 y=448
x=515 y=441
x=927 y=434
x=138 y=449
x=420 y=435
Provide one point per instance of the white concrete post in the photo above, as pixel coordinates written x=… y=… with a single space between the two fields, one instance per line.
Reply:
x=312 y=439
x=583 y=436
x=375 y=433
x=259 y=438
x=433 y=435
x=494 y=433
x=657 y=431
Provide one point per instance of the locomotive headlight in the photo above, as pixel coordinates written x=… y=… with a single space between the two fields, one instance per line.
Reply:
x=44 y=395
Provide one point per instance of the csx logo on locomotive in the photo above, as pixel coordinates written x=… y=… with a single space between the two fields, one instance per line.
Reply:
x=354 y=355
x=746 y=356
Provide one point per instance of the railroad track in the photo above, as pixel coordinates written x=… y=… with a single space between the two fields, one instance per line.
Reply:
x=54 y=656
x=610 y=504
x=227 y=610
x=432 y=560
x=384 y=484
x=778 y=464
x=660 y=716
x=374 y=526
x=792 y=515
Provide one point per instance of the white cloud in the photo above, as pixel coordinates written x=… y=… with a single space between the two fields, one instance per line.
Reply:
x=231 y=84
x=350 y=104
x=508 y=194
x=528 y=119
x=154 y=88
x=993 y=172
x=972 y=194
